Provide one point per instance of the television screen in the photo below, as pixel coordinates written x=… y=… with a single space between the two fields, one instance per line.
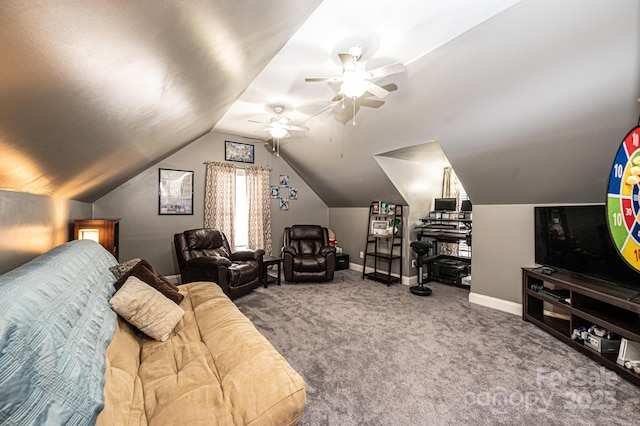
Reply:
x=576 y=239
x=445 y=205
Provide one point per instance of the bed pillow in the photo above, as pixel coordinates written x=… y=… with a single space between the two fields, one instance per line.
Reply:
x=146 y=308
x=147 y=273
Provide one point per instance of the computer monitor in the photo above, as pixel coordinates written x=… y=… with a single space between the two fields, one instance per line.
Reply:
x=445 y=205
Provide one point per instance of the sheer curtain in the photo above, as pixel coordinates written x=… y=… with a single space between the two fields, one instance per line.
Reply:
x=450 y=189
x=258 y=194
x=220 y=199
x=451 y=186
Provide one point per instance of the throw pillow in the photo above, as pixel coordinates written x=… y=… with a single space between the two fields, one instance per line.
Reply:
x=123 y=268
x=147 y=273
x=147 y=309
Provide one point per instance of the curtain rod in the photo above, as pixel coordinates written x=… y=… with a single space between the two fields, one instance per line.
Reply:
x=240 y=166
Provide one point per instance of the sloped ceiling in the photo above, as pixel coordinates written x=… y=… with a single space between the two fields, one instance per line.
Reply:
x=529 y=106
x=528 y=99
x=93 y=93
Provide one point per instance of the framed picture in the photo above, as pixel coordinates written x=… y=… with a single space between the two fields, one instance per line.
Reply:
x=238 y=152
x=275 y=192
x=175 y=192
x=379 y=227
x=293 y=193
x=284 y=180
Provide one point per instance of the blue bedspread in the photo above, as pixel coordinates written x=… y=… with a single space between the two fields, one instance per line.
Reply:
x=55 y=326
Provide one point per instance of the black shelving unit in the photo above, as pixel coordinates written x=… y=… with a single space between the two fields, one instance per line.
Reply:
x=383 y=247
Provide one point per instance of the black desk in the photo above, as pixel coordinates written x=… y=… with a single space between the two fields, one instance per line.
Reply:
x=268 y=261
x=444 y=236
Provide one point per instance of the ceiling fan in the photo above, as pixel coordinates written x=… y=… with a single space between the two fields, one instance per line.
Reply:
x=279 y=127
x=355 y=82
x=344 y=115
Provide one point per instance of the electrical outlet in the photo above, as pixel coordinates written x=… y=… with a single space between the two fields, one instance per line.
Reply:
x=413 y=263
x=361 y=255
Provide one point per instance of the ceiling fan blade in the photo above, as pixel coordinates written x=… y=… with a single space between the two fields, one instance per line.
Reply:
x=338 y=96
x=320 y=79
x=391 y=87
x=371 y=103
x=258 y=122
x=376 y=90
x=347 y=61
x=301 y=128
x=386 y=70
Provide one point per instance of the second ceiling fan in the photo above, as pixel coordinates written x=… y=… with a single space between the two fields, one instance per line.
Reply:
x=279 y=127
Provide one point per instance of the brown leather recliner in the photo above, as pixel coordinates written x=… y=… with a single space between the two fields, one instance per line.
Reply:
x=205 y=255
x=307 y=255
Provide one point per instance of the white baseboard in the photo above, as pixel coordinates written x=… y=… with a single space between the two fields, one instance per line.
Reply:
x=495 y=303
x=355 y=266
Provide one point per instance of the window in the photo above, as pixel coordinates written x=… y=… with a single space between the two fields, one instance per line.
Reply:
x=241 y=223
x=463 y=247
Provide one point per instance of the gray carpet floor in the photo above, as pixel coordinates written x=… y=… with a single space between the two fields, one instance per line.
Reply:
x=377 y=355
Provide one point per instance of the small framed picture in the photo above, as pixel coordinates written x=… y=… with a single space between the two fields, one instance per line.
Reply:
x=375 y=207
x=275 y=192
x=284 y=205
x=238 y=152
x=293 y=193
x=284 y=180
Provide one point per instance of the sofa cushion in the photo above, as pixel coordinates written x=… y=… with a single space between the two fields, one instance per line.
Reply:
x=146 y=308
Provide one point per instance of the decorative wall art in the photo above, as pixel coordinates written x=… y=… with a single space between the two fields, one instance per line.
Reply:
x=293 y=193
x=238 y=152
x=284 y=192
x=175 y=192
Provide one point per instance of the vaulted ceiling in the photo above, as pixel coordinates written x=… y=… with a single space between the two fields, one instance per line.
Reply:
x=528 y=99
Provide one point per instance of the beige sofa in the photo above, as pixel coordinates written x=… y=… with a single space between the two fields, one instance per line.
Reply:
x=67 y=358
x=216 y=368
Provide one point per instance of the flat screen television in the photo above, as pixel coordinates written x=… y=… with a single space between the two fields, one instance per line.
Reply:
x=576 y=239
x=445 y=205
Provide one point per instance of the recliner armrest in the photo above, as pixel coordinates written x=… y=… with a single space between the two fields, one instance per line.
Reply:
x=244 y=255
x=326 y=250
x=209 y=260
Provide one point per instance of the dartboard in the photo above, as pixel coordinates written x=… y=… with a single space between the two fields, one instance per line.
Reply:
x=623 y=200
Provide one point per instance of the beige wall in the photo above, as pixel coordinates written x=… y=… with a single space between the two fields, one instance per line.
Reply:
x=33 y=224
x=145 y=234
x=503 y=243
x=350 y=225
